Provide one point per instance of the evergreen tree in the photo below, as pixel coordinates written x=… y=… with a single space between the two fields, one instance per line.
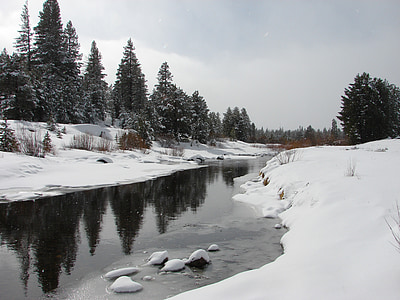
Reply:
x=215 y=125
x=47 y=145
x=228 y=123
x=94 y=87
x=130 y=90
x=370 y=110
x=161 y=98
x=8 y=142
x=199 y=129
x=48 y=59
x=23 y=43
x=67 y=109
x=16 y=91
x=243 y=126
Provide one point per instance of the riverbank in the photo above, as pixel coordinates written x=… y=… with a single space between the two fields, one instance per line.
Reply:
x=25 y=177
x=340 y=204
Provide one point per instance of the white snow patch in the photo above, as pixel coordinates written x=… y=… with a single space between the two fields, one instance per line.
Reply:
x=158 y=258
x=198 y=254
x=173 y=265
x=125 y=284
x=121 y=272
x=339 y=245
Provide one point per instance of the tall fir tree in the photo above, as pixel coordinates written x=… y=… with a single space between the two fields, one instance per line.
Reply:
x=130 y=90
x=199 y=125
x=370 y=109
x=67 y=109
x=49 y=56
x=23 y=43
x=16 y=92
x=94 y=87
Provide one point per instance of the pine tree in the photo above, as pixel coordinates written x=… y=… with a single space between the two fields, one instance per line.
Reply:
x=243 y=126
x=215 y=125
x=161 y=98
x=130 y=90
x=49 y=58
x=8 y=142
x=94 y=87
x=23 y=43
x=47 y=145
x=67 y=109
x=370 y=109
x=16 y=91
x=199 y=118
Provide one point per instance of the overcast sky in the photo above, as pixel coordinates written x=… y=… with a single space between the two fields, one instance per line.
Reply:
x=286 y=62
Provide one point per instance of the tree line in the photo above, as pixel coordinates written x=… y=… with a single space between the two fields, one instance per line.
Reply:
x=45 y=80
x=42 y=81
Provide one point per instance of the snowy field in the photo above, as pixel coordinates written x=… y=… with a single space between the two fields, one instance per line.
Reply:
x=338 y=203
x=24 y=177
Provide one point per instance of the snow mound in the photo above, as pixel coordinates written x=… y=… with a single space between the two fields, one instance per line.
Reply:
x=213 y=247
x=173 y=265
x=121 y=272
x=125 y=284
x=158 y=258
x=198 y=258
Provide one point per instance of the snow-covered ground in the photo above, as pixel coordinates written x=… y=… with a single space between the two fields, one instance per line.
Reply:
x=340 y=202
x=24 y=177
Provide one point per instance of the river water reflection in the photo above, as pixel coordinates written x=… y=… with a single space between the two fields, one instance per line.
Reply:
x=60 y=246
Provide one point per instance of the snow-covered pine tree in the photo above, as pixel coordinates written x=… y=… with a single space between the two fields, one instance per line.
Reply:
x=199 y=125
x=67 y=110
x=130 y=90
x=8 y=142
x=47 y=145
x=48 y=59
x=215 y=125
x=243 y=126
x=23 y=43
x=370 y=109
x=16 y=91
x=94 y=87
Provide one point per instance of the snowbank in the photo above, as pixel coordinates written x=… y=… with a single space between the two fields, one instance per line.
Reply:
x=339 y=245
x=23 y=177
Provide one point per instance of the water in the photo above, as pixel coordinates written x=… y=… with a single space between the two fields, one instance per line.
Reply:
x=60 y=247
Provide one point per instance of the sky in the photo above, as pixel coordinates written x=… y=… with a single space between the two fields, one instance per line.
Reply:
x=286 y=62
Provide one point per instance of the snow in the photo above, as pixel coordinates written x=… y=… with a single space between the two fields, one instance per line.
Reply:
x=198 y=254
x=173 y=265
x=125 y=284
x=338 y=244
x=120 y=272
x=213 y=247
x=158 y=258
x=24 y=177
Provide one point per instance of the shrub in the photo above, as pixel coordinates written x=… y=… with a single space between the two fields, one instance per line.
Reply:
x=288 y=156
x=30 y=143
x=396 y=228
x=83 y=142
x=351 y=168
x=104 y=145
x=131 y=140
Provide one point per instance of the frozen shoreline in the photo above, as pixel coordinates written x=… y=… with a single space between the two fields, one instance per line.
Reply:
x=24 y=177
x=338 y=202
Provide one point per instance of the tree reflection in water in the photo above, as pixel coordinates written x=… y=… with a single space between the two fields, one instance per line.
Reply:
x=45 y=234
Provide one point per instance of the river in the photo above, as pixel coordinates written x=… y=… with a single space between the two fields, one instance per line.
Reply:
x=59 y=247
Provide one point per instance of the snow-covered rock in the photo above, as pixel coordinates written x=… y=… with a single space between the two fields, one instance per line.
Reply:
x=198 y=259
x=158 y=258
x=197 y=158
x=125 y=284
x=213 y=247
x=121 y=272
x=278 y=226
x=105 y=160
x=173 y=265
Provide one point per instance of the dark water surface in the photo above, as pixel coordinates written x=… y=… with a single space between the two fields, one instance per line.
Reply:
x=60 y=247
